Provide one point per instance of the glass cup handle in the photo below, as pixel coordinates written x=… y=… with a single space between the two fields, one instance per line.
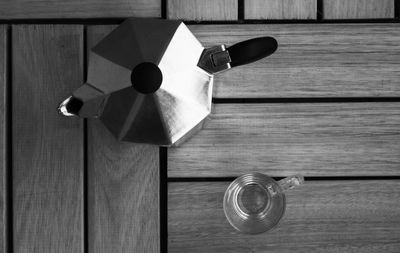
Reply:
x=291 y=182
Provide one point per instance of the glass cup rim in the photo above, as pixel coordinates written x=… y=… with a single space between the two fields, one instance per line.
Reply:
x=235 y=184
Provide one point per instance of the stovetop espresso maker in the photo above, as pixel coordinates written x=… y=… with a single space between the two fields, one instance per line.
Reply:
x=151 y=80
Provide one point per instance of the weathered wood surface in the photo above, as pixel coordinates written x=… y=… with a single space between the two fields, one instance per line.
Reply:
x=321 y=216
x=47 y=148
x=202 y=9
x=3 y=145
x=123 y=188
x=280 y=9
x=358 y=9
x=33 y=9
x=318 y=60
x=320 y=139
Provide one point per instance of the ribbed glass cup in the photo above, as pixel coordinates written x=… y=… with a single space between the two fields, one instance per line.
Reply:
x=254 y=203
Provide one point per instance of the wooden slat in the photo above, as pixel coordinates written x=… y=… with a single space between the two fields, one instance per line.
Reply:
x=123 y=188
x=32 y=9
x=321 y=216
x=358 y=9
x=47 y=148
x=3 y=148
x=203 y=9
x=313 y=60
x=280 y=9
x=339 y=139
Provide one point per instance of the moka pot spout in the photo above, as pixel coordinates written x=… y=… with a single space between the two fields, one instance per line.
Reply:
x=87 y=102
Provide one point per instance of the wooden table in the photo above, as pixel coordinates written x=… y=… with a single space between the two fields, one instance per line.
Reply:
x=325 y=105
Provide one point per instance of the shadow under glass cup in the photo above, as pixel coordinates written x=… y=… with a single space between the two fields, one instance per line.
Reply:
x=254 y=203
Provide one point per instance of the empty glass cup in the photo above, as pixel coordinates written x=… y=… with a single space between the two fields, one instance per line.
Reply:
x=254 y=203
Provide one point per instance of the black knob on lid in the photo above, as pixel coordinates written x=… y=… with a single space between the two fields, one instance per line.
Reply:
x=146 y=77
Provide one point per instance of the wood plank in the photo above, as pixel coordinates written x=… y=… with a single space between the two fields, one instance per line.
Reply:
x=32 y=9
x=280 y=9
x=321 y=216
x=358 y=9
x=123 y=188
x=338 y=139
x=3 y=143
x=47 y=148
x=203 y=9
x=318 y=60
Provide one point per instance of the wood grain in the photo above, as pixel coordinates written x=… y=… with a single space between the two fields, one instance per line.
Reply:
x=321 y=216
x=123 y=188
x=358 y=9
x=47 y=148
x=33 y=9
x=203 y=9
x=323 y=139
x=318 y=60
x=280 y=9
x=3 y=143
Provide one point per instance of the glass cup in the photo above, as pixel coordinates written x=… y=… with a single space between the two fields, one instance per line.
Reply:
x=254 y=203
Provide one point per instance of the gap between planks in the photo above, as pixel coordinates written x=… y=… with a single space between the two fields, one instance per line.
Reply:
x=325 y=178
x=8 y=247
x=85 y=154
x=116 y=21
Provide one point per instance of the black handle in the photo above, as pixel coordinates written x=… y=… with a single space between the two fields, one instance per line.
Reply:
x=252 y=50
